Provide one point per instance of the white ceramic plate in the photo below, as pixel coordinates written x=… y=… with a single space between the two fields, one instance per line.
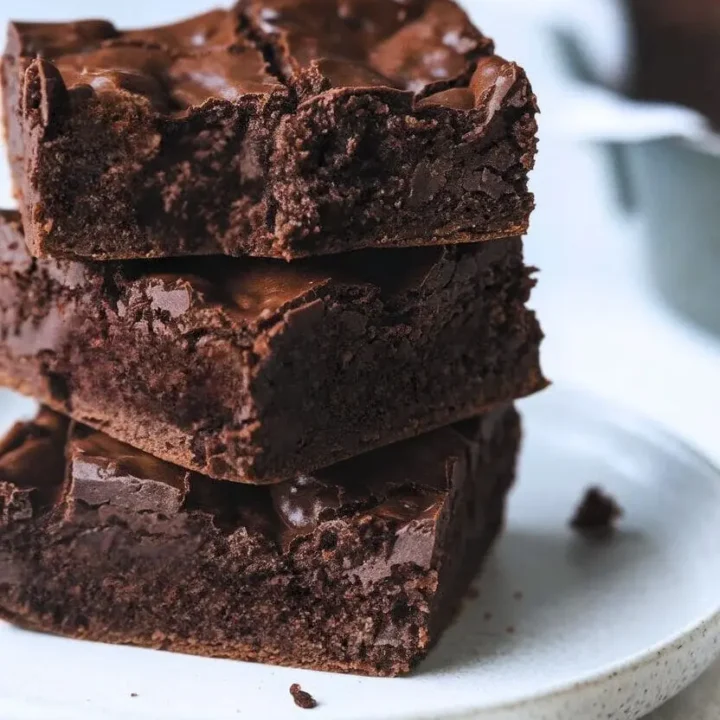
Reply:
x=563 y=628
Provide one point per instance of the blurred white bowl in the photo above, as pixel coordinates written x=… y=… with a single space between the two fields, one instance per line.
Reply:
x=665 y=159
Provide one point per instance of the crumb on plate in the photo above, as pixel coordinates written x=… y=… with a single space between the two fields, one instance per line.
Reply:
x=597 y=513
x=302 y=699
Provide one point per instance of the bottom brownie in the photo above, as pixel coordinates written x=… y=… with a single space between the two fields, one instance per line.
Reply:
x=358 y=568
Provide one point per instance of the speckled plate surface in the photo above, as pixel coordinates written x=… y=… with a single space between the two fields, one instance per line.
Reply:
x=561 y=629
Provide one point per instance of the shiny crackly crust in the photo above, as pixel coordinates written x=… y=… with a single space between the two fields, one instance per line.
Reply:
x=220 y=135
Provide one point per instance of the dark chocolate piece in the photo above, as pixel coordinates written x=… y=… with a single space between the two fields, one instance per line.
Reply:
x=279 y=129
x=597 y=513
x=355 y=568
x=257 y=370
x=677 y=53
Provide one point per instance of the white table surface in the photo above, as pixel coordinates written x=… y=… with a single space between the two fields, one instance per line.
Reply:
x=606 y=330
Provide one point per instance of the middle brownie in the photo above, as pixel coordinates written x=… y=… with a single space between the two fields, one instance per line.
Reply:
x=257 y=370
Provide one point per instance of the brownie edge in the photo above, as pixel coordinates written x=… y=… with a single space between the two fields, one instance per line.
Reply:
x=356 y=568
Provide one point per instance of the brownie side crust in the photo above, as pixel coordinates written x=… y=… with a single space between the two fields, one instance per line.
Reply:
x=257 y=370
x=357 y=568
x=281 y=129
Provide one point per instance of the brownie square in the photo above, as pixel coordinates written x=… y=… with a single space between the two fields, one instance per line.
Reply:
x=278 y=129
x=256 y=370
x=355 y=568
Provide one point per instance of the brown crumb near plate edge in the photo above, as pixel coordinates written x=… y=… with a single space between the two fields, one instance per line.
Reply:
x=597 y=513
x=510 y=629
x=302 y=699
x=133 y=695
x=472 y=593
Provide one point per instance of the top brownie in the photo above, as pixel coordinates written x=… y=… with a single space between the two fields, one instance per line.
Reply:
x=280 y=128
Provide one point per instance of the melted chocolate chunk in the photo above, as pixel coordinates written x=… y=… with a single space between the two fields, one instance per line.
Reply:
x=32 y=466
x=302 y=503
x=402 y=483
x=344 y=43
x=174 y=67
x=51 y=40
x=103 y=470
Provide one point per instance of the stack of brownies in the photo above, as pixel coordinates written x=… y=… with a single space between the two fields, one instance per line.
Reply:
x=267 y=281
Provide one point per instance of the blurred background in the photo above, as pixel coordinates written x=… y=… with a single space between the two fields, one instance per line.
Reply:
x=627 y=227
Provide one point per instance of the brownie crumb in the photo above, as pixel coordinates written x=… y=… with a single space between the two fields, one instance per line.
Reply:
x=133 y=695
x=302 y=699
x=597 y=513
x=472 y=593
x=517 y=595
x=487 y=616
x=510 y=629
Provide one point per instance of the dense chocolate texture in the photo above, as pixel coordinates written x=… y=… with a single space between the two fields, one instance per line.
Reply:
x=278 y=129
x=256 y=370
x=356 y=568
x=678 y=53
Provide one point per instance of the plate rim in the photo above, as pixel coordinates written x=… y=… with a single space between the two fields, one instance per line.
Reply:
x=628 y=667
x=644 y=429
